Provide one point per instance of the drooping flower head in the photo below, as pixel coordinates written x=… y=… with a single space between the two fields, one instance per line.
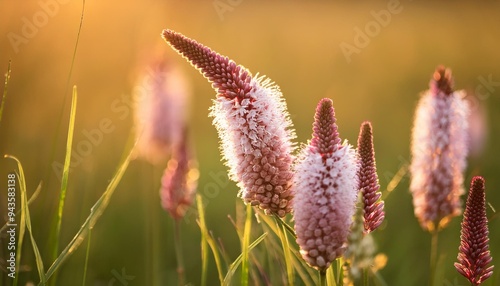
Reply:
x=368 y=180
x=439 y=149
x=474 y=256
x=253 y=125
x=325 y=191
x=161 y=99
x=179 y=181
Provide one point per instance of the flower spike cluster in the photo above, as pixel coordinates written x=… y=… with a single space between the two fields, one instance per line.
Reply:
x=474 y=256
x=368 y=180
x=160 y=111
x=253 y=125
x=439 y=150
x=325 y=191
x=179 y=181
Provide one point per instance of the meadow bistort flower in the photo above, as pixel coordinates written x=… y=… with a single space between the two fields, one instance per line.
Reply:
x=474 y=256
x=368 y=180
x=325 y=191
x=161 y=102
x=179 y=181
x=439 y=148
x=253 y=125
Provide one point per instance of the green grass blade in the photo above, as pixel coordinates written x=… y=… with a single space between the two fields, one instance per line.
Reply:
x=87 y=254
x=330 y=277
x=308 y=275
x=234 y=266
x=286 y=253
x=285 y=226
x=208 y=238
x=204 y=243
x=95 y=213
x=65 y=174
x=244 y=246
x=32 y=198
x=25 y=215
x=7 y=78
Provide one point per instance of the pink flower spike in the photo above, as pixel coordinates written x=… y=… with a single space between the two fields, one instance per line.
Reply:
x=253 y=124
x=439 y=150
x=368 y=180
x=325 y=191
x=161 y=101
x=179 y=181
x=474 y=256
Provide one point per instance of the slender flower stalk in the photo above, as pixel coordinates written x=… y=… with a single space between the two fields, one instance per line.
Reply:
x=474 y=256
x=360 y=248
x=179 y=181
x=325 y=191
x=161 y=99
x=253 y=124
x=439 y=151
x=368 y=180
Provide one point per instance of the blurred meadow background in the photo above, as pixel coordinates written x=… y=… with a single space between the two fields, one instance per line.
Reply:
x=298 y=44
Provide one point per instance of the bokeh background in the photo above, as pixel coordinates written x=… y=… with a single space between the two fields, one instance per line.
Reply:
x=298 y=45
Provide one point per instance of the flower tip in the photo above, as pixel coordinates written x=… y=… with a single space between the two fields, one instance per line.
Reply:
x=167 y=34
x=325 y=103
x=442 y=80
x=478 y=183
x=366 y=126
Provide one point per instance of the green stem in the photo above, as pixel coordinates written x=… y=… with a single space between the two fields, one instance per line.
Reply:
x=245 y=243
x=365 y=277
x=86 y=258
x=178 y=253
x=433 y=259
x=322 y=278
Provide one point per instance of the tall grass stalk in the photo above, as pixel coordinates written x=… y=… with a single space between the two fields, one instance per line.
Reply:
x=286 y=254
x=5 y=87
x=54 y=237
x=87 y=254
x=25 y=216
x=205 y=236
x=95 y=213
x=65 y=175
x=234 y=266
x=204 y=252
x=244 y=245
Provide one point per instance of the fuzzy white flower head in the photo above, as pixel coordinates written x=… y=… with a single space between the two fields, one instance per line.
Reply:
x=325 y=191
x=253 y=125
x=439 y=151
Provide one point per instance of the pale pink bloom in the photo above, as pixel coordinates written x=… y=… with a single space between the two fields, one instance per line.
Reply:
x=325 y=191
x=253 y=124
x=179 y=181
x=161 y=99
x=439 y=150
x=368 y=180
